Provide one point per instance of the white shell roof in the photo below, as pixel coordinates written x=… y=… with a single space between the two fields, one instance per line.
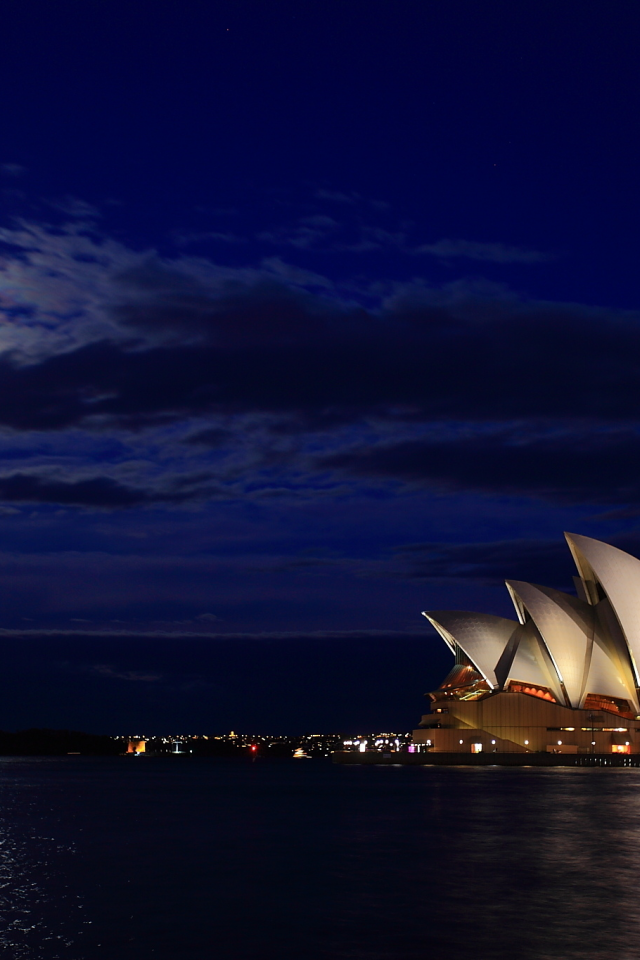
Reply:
x=481 y=636
x=566 y=626
x=603 y=677
x=532 y=663
x=619 y=575
x=572 y=647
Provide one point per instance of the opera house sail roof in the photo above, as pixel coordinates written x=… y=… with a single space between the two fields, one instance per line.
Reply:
x=580 y=652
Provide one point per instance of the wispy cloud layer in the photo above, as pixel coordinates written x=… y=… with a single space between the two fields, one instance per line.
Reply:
x=207 y=381
x=486 y=252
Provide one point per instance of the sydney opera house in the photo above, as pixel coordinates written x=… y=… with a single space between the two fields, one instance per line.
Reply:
x=562 y=678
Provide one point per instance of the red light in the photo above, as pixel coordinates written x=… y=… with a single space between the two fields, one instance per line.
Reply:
x=254 y=747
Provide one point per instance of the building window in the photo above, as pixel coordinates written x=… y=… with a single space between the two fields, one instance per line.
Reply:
x=596 y=701
x=620 y=748
x=531 y=690
x=476 y=748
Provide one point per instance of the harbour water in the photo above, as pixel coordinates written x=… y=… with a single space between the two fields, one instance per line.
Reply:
x=182 y=859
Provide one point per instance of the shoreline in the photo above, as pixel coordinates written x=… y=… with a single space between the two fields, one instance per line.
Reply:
x=488 y=759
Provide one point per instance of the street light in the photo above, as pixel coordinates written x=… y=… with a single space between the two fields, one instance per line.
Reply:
x=592 y=718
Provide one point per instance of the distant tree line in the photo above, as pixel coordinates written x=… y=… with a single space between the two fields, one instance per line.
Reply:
x=54 y=743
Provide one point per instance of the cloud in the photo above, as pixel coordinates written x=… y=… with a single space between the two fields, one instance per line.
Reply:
x=12 y=169
x=295 y=275
x=337 y=196
x=260 y=637
x=211 y=437
x=253 y=372
x=101 y=492
x=265 y=346
x=75 y=208
x=487 y=252
x=535 y=561
x=305 y=234
x=323 y=233
x=541 y=561
x=112 y=673
x=583 y=466
x=184 y=239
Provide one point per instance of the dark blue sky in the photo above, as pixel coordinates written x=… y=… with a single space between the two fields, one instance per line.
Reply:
x=315 y=315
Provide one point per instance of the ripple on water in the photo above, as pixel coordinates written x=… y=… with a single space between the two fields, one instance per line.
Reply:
x=163 y=860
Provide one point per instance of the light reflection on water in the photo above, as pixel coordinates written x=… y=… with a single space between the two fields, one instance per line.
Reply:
x=38 y=916
x=176 y=859
x=546 y=862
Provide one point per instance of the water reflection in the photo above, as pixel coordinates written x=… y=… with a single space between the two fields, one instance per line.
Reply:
x=39 y=917
x=283 y=861
x=545 y=861
x=502 y=863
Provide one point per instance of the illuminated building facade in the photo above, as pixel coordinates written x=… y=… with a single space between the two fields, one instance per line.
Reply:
x=562 y=678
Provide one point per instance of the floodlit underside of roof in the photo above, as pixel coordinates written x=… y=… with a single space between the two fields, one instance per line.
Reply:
x=604 y=679
x=532 y=663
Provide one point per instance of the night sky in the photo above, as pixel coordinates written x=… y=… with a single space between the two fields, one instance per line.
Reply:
x=316 y=314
